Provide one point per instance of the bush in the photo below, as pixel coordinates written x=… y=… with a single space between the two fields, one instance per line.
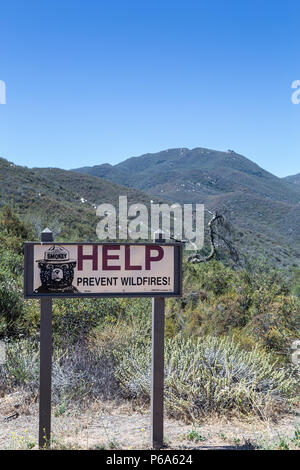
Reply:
x=207 y=375
x=78 y=373
x=22 y=364
x=217 y=300
x=212 y=276
x=11 y=306
x=75 y=319
x=201 y=376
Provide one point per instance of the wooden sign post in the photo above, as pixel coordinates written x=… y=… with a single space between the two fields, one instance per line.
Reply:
x=157 y=379
x=158 y=370
x=45 y=363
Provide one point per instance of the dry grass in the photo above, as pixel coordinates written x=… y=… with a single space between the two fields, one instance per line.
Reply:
x=123 y=424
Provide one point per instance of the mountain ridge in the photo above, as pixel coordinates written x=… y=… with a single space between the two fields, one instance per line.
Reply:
x=264 y=209
x=254 y=199
x=199 y=159
x=62 y=199
x=294 y=179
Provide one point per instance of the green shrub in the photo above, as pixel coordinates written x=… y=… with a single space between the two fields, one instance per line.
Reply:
x=78 y=373
x=207 y=375
x=11 y=306
x=258 y=302
x=212 y=276
x=75 y=319
x=22 y=364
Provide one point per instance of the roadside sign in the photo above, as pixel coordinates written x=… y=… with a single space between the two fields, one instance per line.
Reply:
x=58 y=270
x=102 y=269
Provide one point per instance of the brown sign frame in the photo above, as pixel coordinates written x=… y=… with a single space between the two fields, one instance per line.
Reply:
x=29 y=271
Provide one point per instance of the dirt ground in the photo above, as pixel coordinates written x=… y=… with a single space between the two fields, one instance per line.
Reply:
x=112 y=425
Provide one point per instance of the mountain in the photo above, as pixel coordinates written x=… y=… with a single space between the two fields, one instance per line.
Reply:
x=64 y=200
x=265 y=208
x=187 y=175
x=293 y=179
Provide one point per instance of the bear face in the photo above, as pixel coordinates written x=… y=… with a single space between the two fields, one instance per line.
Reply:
x=56 y=276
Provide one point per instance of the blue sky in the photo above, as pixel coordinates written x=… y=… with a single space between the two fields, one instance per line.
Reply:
x=98 y=81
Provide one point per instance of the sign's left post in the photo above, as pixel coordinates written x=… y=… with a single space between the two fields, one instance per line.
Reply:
x=45 y=362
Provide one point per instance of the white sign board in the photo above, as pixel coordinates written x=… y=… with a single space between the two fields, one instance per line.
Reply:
x=102 y=269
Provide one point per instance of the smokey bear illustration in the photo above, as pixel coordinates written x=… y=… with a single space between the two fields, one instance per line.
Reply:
x=56 y=271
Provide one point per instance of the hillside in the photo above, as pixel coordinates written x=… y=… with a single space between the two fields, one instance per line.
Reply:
x=231 y=330
x=63 y=200
x=293 y=178
x=201 y=171
x=264 y=207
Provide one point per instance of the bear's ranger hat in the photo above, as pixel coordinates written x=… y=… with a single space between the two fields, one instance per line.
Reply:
x=56 y=255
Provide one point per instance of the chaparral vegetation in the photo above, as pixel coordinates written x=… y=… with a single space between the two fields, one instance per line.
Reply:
x=228 y=339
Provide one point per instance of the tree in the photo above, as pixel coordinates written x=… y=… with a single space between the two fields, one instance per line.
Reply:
x=220 y=234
